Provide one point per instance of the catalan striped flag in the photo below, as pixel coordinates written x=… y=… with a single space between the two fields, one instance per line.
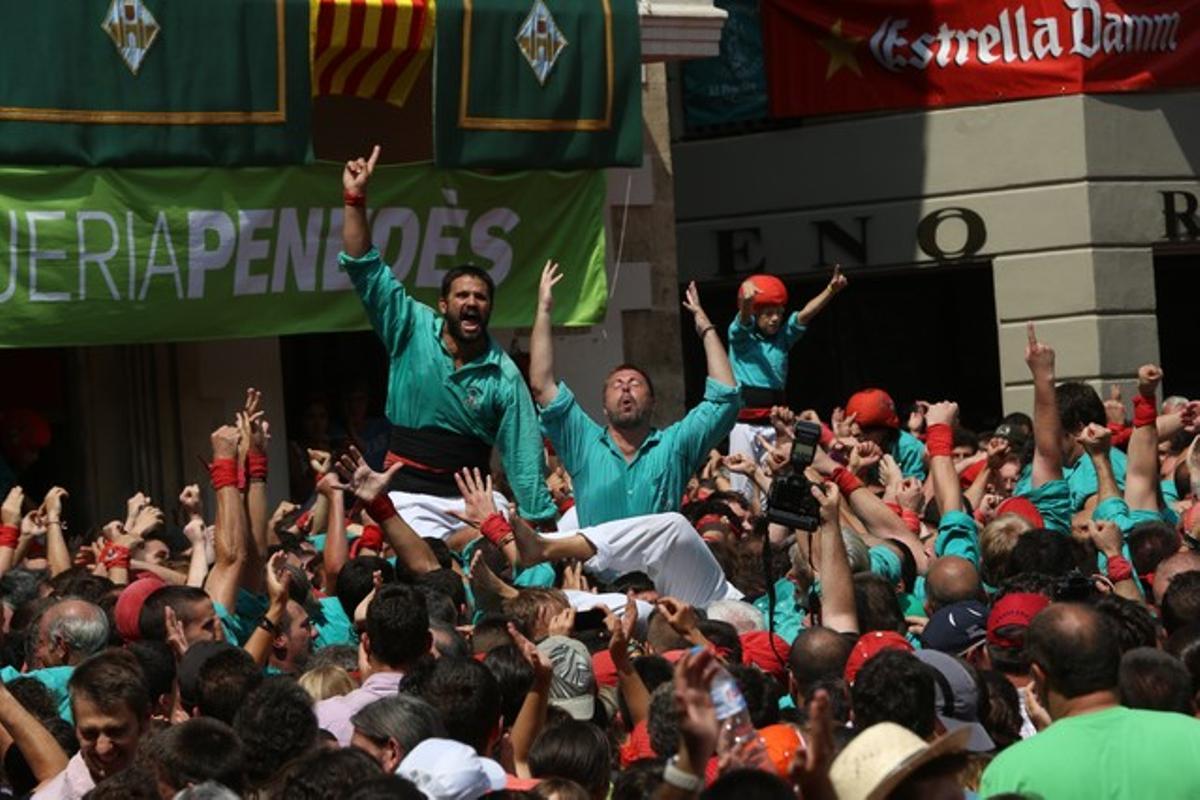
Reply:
x=369 y=48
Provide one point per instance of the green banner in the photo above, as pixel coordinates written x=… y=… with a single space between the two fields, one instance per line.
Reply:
x=138 y=255
x=523 y=84
x=154 y=82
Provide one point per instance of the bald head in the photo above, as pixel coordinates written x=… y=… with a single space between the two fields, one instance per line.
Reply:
x=818 y=654
x=950 y=580
x=1168 y=568
x=67 y=633
x=1075 y=649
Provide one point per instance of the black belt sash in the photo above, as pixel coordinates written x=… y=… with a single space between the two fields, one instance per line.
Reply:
x=431 y=456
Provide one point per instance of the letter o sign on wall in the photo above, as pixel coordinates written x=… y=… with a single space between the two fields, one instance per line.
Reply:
x=944 y=228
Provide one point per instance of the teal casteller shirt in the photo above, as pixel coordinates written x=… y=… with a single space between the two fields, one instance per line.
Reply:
x=486 y=398
x=607 y=487
x=759 y=360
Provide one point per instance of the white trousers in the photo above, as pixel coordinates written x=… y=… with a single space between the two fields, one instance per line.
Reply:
x=429 y=515
x=664 y=546
x=743 y=439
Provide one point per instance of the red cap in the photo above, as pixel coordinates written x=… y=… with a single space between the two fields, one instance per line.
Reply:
x=757 y=650
x=873 y=408
x=782 y=741
x=968 y=475
x=870 y=645
x=1014 y=610
x=771 y=291
x=129 y=606
x=1023 y=508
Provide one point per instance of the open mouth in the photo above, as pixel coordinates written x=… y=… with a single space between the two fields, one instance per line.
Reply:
x=470 y=321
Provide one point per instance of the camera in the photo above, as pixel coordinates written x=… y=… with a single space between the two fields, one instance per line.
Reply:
x=790 y=500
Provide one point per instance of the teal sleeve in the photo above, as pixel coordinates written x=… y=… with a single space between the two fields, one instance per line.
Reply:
x=569 y=429
x=886 y=563
x=789 y=616
x=1116 y=510
x=388 y=306
x=957 y=535
x=334 y=627
x=521 y=452
x=1053 y=501
x=707 y=424
x=55 y=680
x=237 y=629
x=739 y=334
x=910 y=455
x=793 y=330
x=538 y=576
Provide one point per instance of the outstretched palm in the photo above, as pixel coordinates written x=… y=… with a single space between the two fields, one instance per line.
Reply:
x=364 y=482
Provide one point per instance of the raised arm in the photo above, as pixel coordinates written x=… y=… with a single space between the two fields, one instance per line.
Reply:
x=257 y=432
x=714 y=351
x=815 y=305
x=1096 y=441
x=230 y=537
x=837 y=585
x=356 y=233
x=10 y=520
x=57 y=554
x=1047 y=426
x=940 y=445
x=541 y=342
x=337 y=548
x=370 y=487
x=41 y=750
x=277 y=580
x=1141 y=476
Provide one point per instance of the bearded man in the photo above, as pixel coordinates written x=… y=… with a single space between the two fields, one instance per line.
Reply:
x=629 y=468
x=453 y=393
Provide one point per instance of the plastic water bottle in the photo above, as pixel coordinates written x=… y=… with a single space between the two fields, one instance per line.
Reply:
x=737 y=734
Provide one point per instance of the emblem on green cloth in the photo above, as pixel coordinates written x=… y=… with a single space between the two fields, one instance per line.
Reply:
x=132 y=29
x=540 y=40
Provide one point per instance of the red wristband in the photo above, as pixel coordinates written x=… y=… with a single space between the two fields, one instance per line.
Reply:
x=114 y=556
x=381 y=509
x=827 y=437
x=1119 y=569
x=939 y=440
x=495 y=527
x=256 y=466
x=564 y=505
x=1145 y=411
x=9 y=535
x=354 y=198
x=847 y=482
x=911 y=520
x=223 y=473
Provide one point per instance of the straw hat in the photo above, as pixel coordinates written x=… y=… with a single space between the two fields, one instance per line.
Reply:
x=881 y=757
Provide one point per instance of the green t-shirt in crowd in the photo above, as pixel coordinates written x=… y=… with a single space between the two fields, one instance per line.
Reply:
x=1116 y=753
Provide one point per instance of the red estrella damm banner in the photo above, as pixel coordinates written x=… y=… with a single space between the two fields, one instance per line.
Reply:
x=857 y=55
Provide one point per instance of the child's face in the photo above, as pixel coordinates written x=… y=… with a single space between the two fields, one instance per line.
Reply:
x=769 y=319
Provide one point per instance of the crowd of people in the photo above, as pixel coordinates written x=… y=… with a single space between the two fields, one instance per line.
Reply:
x=614 y=609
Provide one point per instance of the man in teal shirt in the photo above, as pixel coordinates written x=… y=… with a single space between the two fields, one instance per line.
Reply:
x=453 y=393
x=629 y=468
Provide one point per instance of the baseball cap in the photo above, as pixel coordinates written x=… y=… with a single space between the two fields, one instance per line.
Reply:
x=880 y=758
x=1015 y=436
x=873 y=408
x=448 y=770
x=1013 y=611
x=1023 y=508
x=767 y=651
x=870 y=645
x=573 y=684
x=956 y=628
x=957 y=698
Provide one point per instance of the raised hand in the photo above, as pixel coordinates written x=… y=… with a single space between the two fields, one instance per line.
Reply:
x=279 y=579
x=698 y=729
x=1096 y=439
x=748 y=292
x=133 y=505
x=190 y=502
x=691 y=301
x=908 y=494
x=620 y=633
x=864 y=455
x=562 y=623
x=52 y=505
x=810 y=766
x=943 y=413
x=10 y=511
x=225 y=442
x=574 y=579
x=889 y=471
x=838 y=281
x=321 y=461
x=176 y=638
x=828 y=496
x=998 y=450
x=679 y=615
x=149 y=519
x=476 y=491
x=550 y=276
x=1038 y=355
x=543 y=670
x=916 y=417
x=366 y=483
x=783 y=420
x=1114 y=406
x=1149 y=377
x=740 y=463
x=358 y=172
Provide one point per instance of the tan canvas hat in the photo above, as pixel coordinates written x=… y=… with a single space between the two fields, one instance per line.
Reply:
x=881 y=757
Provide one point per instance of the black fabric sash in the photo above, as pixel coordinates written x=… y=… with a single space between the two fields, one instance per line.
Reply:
x=431 y=456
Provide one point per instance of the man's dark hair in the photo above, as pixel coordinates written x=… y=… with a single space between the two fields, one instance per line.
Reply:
x=914 y=787
x=329 y=775
x=1002 y=709
x=1153 y=680
x=439 y=605
x=1076 y=649
x=632 y=582
x=333 y=655
x=1078 y=405
x=398 y=625
x=467 y=271
x=1044 y=551
x=663 y=722
x=654 y=672
x=224 y=681
x=1184 y=644
x=1181 y=602
x=513 y=675
x=179 y=598
x=1151 y=543
x=158 y=665
x=356 y=580
x=877 y=604
x=575 y=750
x=112 y=678
x=761 y=692
x=724 y=636
x=134 y=783
x=34 y=697
x=446 y=582
x=1132 y=621
x=816 y=654
x=634 y=368
x=276 y=724
x=895 y=686
x=748 y=784
x=386 y=787
x=199 y=750
x=639 y=780
x=467 y=696
x=82 y=584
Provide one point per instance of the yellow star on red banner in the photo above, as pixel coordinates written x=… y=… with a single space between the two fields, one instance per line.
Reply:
x=841 y=47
